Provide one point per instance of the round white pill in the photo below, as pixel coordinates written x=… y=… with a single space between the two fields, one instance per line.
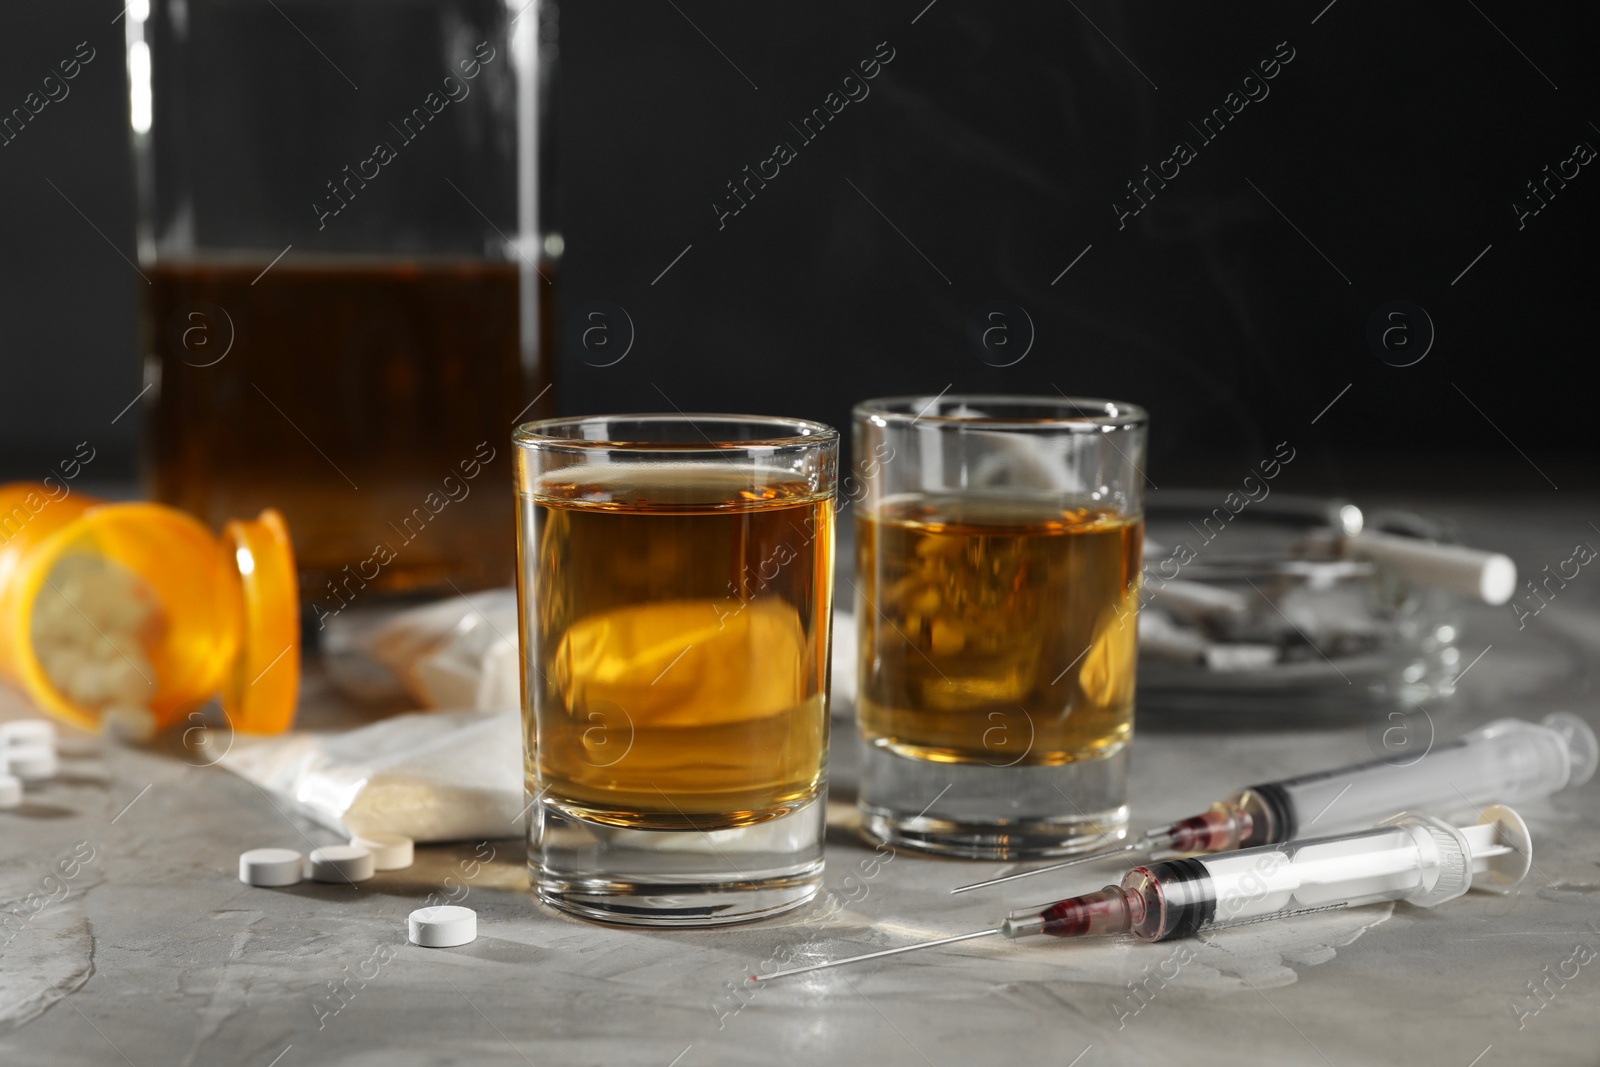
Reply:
x=444 y=926
x=270 y=866
x=28 y=732
x=10 y=791
x=390 y=852
x=31 y=763
x=341 y=863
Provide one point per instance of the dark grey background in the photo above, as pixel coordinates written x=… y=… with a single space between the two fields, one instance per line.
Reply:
x=986 y=158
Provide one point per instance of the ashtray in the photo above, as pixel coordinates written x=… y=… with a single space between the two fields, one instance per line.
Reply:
x=1295 y=610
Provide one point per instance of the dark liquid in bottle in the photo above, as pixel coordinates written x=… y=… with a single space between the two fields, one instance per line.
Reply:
x=371 y=402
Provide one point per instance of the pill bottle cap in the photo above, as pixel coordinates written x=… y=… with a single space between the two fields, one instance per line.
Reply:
x=258 y=694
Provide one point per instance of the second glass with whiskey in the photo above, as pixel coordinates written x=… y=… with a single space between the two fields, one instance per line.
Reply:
x=998 y=550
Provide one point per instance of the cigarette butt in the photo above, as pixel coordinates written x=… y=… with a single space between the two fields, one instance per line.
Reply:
x=1197 y=601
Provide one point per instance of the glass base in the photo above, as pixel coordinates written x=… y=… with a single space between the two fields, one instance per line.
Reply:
x=676 y=877
x=995 y=813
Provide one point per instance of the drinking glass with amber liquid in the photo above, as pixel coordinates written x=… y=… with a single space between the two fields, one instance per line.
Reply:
x=998 y=549
x=675 y=597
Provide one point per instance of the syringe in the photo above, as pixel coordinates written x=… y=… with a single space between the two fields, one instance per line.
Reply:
x=1418 y=859
x=1507 y=761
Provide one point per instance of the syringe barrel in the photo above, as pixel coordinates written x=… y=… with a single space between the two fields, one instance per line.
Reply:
x=1508 y=761
x=1419 y=859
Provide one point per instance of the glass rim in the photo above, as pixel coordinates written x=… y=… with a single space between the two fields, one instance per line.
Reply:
x=910 y=410
x=792 y=432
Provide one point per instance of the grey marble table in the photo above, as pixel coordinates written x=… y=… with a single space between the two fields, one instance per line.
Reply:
x=152 y=952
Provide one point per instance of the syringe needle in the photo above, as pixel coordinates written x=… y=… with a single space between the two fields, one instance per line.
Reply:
x=874 y=955
x=1415 y=858
x=1132 y=846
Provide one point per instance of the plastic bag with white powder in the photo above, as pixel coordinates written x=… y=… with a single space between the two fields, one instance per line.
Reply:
x=432 y=776
x=440 y=775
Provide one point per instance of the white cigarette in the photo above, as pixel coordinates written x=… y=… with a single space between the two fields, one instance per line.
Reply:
x=1490 y=576
x=1196 y=601
x=1160 y=638
x=1241 y=657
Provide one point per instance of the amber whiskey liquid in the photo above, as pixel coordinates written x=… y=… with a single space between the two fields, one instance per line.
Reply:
x=371 y=401
x=996 y=631
x=678 y=619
